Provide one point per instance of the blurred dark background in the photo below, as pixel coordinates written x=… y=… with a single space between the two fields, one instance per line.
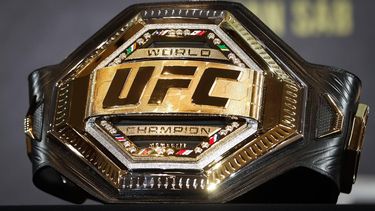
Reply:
x=40 y=32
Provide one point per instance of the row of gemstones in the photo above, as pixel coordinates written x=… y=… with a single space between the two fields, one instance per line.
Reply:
x=172 y=183
x=176 y=33
x=162 y=150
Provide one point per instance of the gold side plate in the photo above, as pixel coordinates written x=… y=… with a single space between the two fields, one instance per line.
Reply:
x=357 y=134
x=28 y=127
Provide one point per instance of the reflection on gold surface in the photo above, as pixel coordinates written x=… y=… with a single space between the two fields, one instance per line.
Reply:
x=243 y=95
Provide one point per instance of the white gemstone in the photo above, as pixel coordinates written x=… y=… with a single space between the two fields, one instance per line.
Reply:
x=180 y=183
x=108 y=127
x=205 y=144
x=140 y=41
x=217 y=41
x=166 y=183
x=122 y=56
x=186 y=32
x=127 y=144
x=147 y=35
x=173 y=183
x=235 y=124
x=171 y=32
x=117 y=61
x=229 y=128
x=132 y=149
x=211 y=36
x=236 y=61
x=159 y=150
x=159 y=182
x=231 y=56
x=152 y=183
x=198 y=150
x=145 y=182
x=113 y=131
x=223 y=132
x=187 y=183
x=195 y=184
x=179 y=32
x=131 y=182
x=137 y=185
x=103 y=123
x=202 y=184
x=170 y=151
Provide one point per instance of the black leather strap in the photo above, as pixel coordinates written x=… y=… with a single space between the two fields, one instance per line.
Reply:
x=300 y=185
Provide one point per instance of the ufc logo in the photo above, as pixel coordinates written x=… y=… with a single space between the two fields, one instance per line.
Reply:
x=179 y=80
x=175 y=86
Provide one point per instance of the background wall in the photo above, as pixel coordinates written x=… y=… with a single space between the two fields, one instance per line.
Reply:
x=40 y=32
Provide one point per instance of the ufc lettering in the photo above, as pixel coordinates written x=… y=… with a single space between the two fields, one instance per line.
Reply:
x=200 y=96
x=175 y=86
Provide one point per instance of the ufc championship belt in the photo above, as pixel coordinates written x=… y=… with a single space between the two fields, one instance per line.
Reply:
x=193 y=102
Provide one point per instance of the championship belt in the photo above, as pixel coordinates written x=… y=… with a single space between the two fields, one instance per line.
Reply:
x=193 y=102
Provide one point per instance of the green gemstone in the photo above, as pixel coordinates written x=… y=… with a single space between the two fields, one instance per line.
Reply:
x=128 y=50
x=223 y=47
